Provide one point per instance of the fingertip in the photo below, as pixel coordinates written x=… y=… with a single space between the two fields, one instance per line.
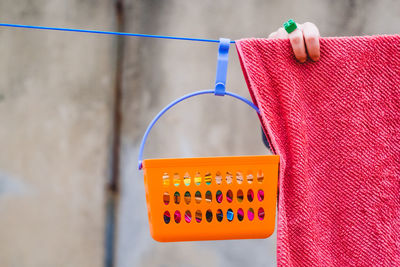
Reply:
x=314 y=51
x=315 y=58
x=301 y=59
x=311 y=37
x=297 y=43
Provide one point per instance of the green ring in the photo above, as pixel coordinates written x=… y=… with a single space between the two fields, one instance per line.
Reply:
x=290 y=26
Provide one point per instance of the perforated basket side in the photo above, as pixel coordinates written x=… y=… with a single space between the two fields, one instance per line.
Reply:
x=175 y=214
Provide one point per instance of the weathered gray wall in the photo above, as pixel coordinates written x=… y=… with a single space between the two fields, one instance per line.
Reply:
x=158 y=71
x=56 y=96
x=57 y=92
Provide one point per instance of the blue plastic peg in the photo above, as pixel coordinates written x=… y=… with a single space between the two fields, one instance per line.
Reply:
x=222 y=66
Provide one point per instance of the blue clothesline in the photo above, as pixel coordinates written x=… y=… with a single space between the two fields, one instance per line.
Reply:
x=109 y=33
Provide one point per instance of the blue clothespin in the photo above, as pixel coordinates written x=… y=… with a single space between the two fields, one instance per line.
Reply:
x=222 y=66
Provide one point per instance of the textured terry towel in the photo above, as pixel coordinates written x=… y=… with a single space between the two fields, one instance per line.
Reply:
x=336 y=125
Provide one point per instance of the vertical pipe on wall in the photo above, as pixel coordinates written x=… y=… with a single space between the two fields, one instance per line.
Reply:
x=113 y=183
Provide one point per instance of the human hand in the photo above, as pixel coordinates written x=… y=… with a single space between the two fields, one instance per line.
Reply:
x=304 y=40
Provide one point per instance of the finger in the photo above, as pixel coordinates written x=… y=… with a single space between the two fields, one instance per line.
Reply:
x=272 y=35
x=297 y=42
x=311 y=37
x=281 y=34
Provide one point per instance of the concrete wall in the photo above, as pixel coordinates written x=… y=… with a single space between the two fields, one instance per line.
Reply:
x=158 y=71
x=56 y=97
x=58 y=120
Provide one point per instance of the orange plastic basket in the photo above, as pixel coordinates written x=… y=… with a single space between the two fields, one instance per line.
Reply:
x=210 y=198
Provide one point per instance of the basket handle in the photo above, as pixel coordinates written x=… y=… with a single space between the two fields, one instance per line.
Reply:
x=220 y=86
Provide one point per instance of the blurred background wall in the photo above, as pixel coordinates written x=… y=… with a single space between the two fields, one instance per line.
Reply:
x=73 y=108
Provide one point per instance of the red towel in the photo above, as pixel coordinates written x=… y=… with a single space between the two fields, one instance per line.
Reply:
x=336 y=125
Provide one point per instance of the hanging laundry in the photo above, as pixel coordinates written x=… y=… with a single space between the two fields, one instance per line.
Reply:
x=336 y=126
